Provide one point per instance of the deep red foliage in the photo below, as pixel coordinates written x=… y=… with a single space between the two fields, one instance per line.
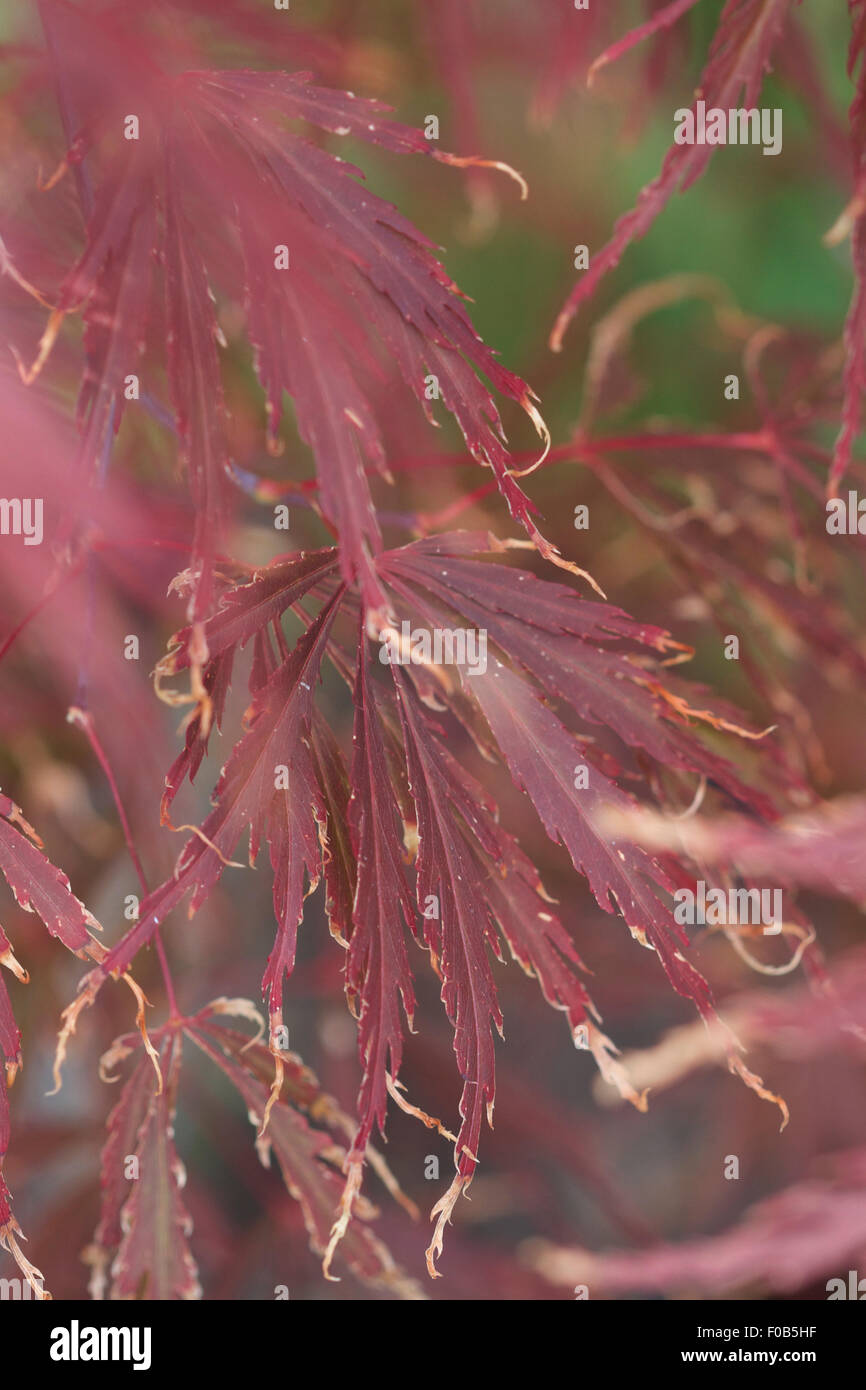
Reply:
x=236 y=279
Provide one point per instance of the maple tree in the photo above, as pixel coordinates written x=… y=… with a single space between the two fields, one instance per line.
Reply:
x=219 y=333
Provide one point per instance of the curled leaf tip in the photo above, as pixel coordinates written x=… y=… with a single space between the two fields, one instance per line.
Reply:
x=341 y=1225
x=543 y=433
x=564 y=318
x=276 y=1088
x=395 y=1090
x=9 y=1235
x=141 y=1024
x=553 y=555
x=474 y=161
x=7 y=267
x=45 y=185
x=613 y=1071
x=442 y=1212
x=7 y=958
x=29 y=374
x=68 y=1023
x=844 y=224
x=109 y=1059
x=755 y=1083
x=239 y=1008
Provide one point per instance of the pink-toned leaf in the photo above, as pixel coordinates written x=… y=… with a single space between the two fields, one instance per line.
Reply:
x=310 y=1161
x=38 y=885
x=477 y=880
x=10 y=1048
x=542 y=757
x=378 y=974
x=249 y=607
x=661 y=19
x=812 y=1229
x=154 y=1261
x=194 y=374
x=820 y=849
x=248 y=797
x=217 y=140
x=565 y=643
x=739 y=56
x=124 y=1126
x=115 y=319
x=338 y=860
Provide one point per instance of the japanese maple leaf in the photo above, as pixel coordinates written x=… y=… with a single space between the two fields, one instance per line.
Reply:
x=153 y=1259
x=572 y=794
x=477 y=891
x=38 y=886
x=335 y=282
x=269 y=788
x=377 y=969
x=406 y=815
x=308 y=1155
x=125 y=1124
x=10 y=1046
x=592 y=656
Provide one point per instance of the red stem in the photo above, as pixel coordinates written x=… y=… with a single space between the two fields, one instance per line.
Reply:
x=759 y=441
